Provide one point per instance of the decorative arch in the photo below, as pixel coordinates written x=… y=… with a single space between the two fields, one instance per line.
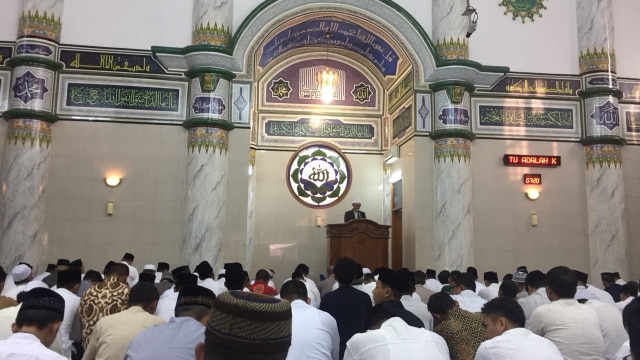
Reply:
x=392 y=20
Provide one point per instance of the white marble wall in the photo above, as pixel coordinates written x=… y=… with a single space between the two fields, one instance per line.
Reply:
x=448 y=21
x=595 y=24
x=23 y=179
x=607 y=220
x=205 y=201
x=453 y=214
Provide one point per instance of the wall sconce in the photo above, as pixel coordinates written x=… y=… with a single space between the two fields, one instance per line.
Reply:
x=319 y=221
x=534 y=220
x=112 y=180
x=532 y=194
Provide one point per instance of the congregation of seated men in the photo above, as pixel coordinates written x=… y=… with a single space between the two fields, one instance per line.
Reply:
x=351 y=313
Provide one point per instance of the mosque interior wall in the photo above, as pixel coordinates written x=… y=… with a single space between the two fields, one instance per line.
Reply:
x=149 y=214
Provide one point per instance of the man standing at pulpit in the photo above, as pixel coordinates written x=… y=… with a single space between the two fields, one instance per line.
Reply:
x=354 y=213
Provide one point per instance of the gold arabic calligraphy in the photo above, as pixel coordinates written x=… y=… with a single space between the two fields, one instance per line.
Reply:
x=111 y=62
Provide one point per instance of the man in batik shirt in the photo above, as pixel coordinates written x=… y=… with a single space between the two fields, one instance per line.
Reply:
x=462 y=330
x=106 y=298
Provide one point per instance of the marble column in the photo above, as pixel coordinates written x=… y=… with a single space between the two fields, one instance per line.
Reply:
x=25 y=164
x=206 y=190
x=212 y=22
x=450 y=29
x=251 y=208
x=603 y=138
x=452 y=176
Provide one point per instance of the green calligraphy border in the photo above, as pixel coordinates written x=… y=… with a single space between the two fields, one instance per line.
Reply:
x=449 y=133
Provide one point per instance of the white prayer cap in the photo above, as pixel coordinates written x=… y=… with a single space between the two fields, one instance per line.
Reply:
x=35 y=284
x=20 y=272
x=366 y=271
x=356 y=201
x=272 y=273
x=150 y=267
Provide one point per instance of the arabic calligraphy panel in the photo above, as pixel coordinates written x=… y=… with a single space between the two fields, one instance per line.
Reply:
x=32 y=89
x=131 y=99
x=319 y=175
x=286 y=131
x=526 y=118
x=602 y=116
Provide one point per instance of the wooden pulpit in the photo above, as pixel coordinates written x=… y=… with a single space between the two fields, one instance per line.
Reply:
x=363 y=240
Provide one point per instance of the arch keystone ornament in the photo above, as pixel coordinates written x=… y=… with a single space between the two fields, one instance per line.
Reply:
x=318 y=175
x=525 y=9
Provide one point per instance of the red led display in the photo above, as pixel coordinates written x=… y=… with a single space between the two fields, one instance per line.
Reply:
x=532 y=179
x=531 y=160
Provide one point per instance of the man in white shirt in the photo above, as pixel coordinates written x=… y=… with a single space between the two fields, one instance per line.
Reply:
x=432 y=283
x=21 y=275
x=68 y=284
x=628 y=292
x=390 y=337
x=613 y=332
x=314 y=333
x=503 y=321
x=519 y=278
x=581 y=291
x=491 y=286
x=133 y=272
x=573 y=327
x=205 y=272
x=464 y=292
x=167 y=303
x=474 y=273
x=601 y=294
x=421 y=290
x=417 y=307
x=535 y=285
x=36 y=326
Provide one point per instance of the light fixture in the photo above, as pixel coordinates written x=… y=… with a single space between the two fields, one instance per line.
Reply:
x=112 y=180
x=319 y=221
x=472 y=13
x=532 y=194
x=327 y=79
x=534 y=219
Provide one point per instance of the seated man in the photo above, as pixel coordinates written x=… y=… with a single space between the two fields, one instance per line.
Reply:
x=36 y=326
x=631 y=321
x=535 y=285
x=237 y=329
x=391 y=338
x=503 y=321
x=389 y=289
x=261 y=284
x=573 y=327
x=314 y=333
x=464 y=292
x=462 y=330
x=112 y=334
x=176 y=339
